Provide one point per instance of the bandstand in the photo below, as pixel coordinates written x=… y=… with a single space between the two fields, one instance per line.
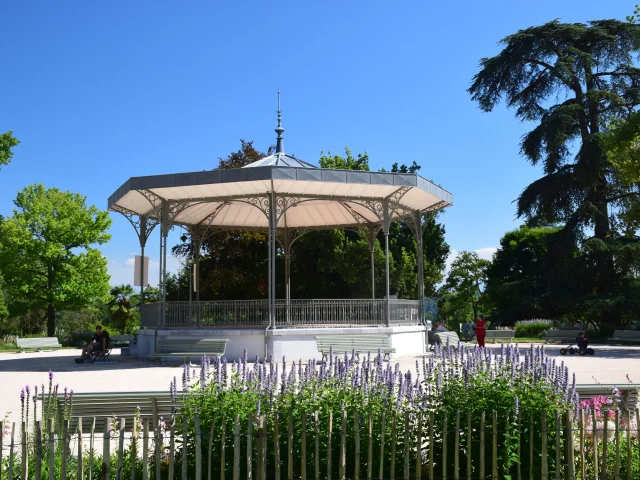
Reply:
x=287 y=198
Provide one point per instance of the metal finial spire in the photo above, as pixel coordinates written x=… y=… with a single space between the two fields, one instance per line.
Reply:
x=279 y=130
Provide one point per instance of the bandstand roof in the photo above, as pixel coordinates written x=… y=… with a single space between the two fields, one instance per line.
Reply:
x=308 y=197
x=326 y=198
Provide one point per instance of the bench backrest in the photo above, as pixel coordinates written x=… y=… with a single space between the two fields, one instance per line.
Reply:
x=346 y=343
x=501 y=334
x=630 y=334
x=442 y=338
x=121 y=338
x=38 y=342
x=188 y=345
x=121 y=405
x=562 y=333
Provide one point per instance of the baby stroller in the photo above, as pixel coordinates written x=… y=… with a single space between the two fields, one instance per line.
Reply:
x=571 y=350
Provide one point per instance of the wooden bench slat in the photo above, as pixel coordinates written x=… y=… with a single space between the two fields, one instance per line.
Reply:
x=119 y=404
x=189 y=348
x=625 y=336
x=360 y=344
x=442 y=337
x=500 y=334
x=41 y=342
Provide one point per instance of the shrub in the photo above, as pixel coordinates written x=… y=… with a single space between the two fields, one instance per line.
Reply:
x=533 y=328
x=452 y=381
x=8 y=342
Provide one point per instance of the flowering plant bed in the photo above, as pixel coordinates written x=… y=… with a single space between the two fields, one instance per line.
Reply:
x=462 y=413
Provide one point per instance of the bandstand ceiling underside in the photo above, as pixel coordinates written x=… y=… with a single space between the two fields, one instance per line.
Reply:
x=317 y=198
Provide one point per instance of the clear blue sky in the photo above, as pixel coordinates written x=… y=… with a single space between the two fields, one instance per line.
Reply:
x=101 y=91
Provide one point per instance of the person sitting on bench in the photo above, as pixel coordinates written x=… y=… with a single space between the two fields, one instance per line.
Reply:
x=441 y=328
x=98 y=344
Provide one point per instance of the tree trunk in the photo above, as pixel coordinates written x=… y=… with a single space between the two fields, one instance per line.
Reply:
x=51 y=321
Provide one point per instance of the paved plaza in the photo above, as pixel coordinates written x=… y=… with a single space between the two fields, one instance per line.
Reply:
x=611 y=364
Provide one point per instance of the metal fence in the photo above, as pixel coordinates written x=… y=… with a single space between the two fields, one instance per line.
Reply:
x=288 y=313
x=327 y=313
x=227 y=313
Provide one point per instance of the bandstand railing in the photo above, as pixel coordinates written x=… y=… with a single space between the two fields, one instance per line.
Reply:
x=288 y=313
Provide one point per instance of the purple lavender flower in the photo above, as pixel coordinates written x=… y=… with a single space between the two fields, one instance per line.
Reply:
x=22 y=395
x=203 y=379
x=50 y=376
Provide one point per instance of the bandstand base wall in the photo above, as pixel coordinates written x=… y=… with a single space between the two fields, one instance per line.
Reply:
x=293 y=343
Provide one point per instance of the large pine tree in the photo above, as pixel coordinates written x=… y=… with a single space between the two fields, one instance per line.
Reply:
x=574 y=81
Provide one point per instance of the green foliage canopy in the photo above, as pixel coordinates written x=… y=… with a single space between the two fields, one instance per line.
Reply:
x=575 y=81
x=4 y=311
x=7 y=142
x=465 y=284
x=348 y=162
x=520 y=278
x=123 y=312
x=47 y=255
x=591 y=66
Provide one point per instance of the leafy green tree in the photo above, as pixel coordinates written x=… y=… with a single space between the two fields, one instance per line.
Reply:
x=7 y=142
x=635 y=18
x=521 y=278
x=46 y=252
x=4 y=311
x=151 y=295
x=83 y=320
x=452 y=309
x=123 y=313
x=574 y=80
x=246 y=155
x=348 y=162
x=465 y=284
x=622 y=145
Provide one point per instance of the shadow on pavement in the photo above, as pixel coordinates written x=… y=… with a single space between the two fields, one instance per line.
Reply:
x=41 y=362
